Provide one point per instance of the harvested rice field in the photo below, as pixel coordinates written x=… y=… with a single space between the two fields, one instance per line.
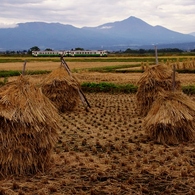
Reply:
x=105 y=151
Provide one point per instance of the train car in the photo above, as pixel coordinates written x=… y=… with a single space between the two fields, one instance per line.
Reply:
x=47 y=53
x=71 y=53
x=87 y=53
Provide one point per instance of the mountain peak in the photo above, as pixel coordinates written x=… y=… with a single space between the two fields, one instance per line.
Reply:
x=133 y=18
x=130 y=23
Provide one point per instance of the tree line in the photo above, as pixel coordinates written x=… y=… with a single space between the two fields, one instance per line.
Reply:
x=127 y=51
x=144 y=51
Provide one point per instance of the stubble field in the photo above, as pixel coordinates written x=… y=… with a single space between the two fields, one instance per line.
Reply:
x=105 y=150
x=85 y=76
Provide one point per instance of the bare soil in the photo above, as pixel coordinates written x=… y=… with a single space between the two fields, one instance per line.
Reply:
x=105 y=151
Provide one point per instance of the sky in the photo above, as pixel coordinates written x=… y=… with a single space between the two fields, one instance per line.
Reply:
x=176 y=15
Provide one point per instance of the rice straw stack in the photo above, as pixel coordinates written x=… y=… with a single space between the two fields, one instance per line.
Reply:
x=61 y=89
x=153 y=81
x=28 y=128
x=171 y=119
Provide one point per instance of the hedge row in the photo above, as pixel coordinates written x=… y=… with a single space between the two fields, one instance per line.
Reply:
x=117 y=88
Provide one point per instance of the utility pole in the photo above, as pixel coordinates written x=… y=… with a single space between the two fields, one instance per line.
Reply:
x=156 y=55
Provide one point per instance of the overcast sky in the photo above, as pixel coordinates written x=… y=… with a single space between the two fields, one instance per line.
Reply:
x=177 y=15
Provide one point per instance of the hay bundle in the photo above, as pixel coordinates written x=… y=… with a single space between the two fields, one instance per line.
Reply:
x=153 y=81
x=171 y=118
x=61 y=89
x=28 y=128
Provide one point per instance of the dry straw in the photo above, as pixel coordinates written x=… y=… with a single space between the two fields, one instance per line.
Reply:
x=171 y=118
x=62 y=88
x=28 y=128
x=153 y=81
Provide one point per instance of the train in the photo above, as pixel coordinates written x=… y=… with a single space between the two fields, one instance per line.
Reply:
x=71 y=53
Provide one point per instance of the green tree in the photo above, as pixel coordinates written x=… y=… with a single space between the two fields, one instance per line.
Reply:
x=142 y=51
x=48 y=49
x=35 y=48
x=79 y=48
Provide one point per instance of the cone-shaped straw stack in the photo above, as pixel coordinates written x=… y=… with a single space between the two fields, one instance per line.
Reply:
x=61 y=89
x=171 y=118
x=153 y=81
x=28 y=128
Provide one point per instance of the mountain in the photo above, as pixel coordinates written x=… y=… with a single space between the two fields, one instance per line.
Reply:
x=129 y=33
x=193 y=33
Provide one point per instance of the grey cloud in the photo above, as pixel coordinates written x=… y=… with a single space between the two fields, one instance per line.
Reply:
x=19 y=2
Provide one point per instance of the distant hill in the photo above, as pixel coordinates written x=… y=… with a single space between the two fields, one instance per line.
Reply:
x=129 y=33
